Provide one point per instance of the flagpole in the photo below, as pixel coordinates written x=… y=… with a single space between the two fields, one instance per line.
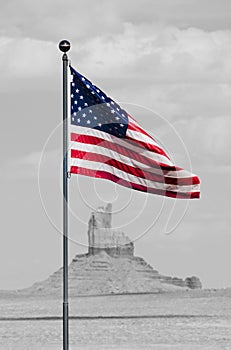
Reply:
x=64 y=46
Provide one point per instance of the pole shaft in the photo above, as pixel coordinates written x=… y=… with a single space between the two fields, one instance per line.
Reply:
x=65 y=205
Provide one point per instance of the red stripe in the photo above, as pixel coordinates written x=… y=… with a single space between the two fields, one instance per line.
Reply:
x=133 y=170
x=136 y=127
x=149 y=146
x=139 y=157
x=111 y=177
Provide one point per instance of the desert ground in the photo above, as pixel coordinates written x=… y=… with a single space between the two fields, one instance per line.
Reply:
x=179 y=320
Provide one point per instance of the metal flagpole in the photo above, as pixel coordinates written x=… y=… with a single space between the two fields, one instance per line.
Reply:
x=64 y=46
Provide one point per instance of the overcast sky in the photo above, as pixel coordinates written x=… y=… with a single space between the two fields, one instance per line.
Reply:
x=168 y=62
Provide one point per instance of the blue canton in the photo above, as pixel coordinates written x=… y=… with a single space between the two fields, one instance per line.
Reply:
x=92 y=108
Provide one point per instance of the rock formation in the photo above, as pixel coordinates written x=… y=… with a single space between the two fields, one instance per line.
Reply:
x=193 y=282
x=101 y=236
x=110 y=266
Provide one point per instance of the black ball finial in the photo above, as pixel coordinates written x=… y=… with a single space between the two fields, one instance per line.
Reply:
x=64 y=46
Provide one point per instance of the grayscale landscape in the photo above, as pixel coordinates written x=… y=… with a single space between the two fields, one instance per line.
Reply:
x=117 y=301
x=147 y=272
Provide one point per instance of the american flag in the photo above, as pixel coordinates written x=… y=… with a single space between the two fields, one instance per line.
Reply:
x=107 y=143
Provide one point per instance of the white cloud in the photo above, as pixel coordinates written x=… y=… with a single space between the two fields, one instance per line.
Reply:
x=161 y=55
x=56 y=18
x=184 y=74
x=143 y=52
x=26 y=58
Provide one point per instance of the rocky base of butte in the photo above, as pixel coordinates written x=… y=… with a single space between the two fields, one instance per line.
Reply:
x=110 y=267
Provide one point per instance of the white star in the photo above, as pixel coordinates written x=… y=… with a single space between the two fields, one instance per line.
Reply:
x=83 y=78
x=79 y=108
x=85 y=104
x=117 y=109
x=93 y=93
x=81 y=97
x=103 y=98
x=123 y=115
x=121 y=125
x=74 y=113
x=112 y=103
x=88 y=86
x=95 y=118
x=77 y=90
x=100 y=124
x=72 y=95
x=97 y=90
x=112 y=111
x=84 y=115
x=90 y=111
x=73 y=84
x=78 y=120
x=73 y=118
x=117 y=118
x=75 y=102
x=108 y=104
x=88 y=121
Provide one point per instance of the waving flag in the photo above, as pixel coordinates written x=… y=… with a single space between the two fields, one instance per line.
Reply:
x=107 y=143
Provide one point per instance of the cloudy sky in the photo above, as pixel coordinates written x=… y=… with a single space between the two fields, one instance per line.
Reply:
x=168 y=62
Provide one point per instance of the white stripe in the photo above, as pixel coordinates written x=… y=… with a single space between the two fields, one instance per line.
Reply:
x=85 y=147
x=79 y=146
x=179 y=174
x=132 y=120
x=131 y=178
x=149 y=138
x=121 y=142
x=152 y=140
x=137 y=135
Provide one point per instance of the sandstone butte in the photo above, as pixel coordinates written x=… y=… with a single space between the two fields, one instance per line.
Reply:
x=110 y=266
